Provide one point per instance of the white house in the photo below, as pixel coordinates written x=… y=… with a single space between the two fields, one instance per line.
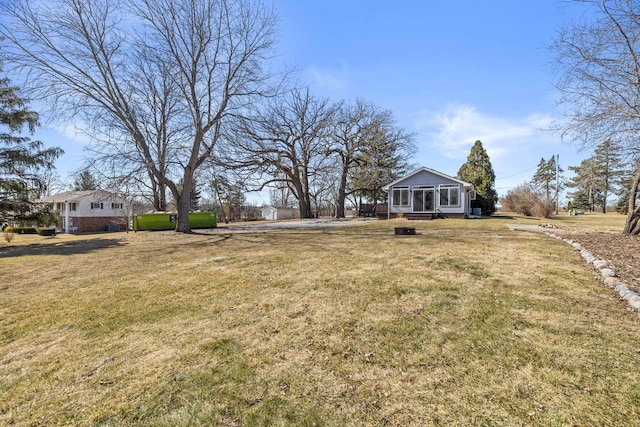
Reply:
x=426 y=193
x=272 y=214
x=90 y=211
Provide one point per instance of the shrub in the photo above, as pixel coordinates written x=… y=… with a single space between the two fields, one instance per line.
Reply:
x=47 y=231
x=25 y=230
x=527 y=201
x=7 y=232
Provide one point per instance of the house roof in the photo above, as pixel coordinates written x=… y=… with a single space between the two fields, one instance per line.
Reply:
x=75 y=196
x=431 y=171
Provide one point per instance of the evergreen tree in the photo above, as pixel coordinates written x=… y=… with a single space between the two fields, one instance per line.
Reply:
x=194 y=195
x=21 y=159
x=611 y=170
x=85 y=181
x=622 y=206
x=600 y=175
x=548 y=179
x=587 y=185
x=479 y=172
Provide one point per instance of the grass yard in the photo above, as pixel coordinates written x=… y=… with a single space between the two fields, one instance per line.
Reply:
x=466 y=323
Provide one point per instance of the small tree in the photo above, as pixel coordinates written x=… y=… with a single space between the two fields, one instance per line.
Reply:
x=85 y=181
x=479 y=172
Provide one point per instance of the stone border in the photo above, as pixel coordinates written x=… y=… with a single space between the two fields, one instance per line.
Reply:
x=608 y=275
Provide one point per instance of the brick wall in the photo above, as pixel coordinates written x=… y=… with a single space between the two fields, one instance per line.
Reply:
x=94 y=224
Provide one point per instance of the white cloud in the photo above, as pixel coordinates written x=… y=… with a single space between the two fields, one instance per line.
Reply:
x=75 y=132
x=330 y=78
x=453 y=131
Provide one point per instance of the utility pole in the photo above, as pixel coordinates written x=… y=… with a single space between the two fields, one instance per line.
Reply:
x=557 y=183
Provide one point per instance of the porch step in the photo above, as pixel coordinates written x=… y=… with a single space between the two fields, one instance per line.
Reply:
x=421 y=216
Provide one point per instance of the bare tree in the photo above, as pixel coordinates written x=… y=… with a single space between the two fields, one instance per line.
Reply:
x=157 y=81
x=280 y=196
x=599 y=80
x=288 y=142
x=365 y=138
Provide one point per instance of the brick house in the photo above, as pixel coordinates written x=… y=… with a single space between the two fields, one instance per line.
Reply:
x=89 y=211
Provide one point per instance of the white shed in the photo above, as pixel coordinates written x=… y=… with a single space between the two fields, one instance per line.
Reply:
x=271 y=213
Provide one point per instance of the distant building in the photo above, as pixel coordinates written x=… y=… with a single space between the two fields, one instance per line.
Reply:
x=272 y=214
x=89 y=211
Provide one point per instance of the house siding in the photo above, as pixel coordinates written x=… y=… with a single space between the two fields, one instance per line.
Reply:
x=94 y=211
x=426 y=179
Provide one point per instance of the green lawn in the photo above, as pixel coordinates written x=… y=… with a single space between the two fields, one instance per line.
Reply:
x=466 y=323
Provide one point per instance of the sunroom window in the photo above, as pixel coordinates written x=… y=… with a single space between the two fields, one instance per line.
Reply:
x=449 y=195
x=400 y=196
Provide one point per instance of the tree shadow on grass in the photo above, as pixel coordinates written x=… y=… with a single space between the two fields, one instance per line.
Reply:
x=62 y=248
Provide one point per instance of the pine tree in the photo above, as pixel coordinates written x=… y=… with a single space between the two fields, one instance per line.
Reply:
x=21 y=159
x=587 y=185
x=611 y=170
x=600 y=175
x=547 y=178
x=85 y=181
x=479 y=172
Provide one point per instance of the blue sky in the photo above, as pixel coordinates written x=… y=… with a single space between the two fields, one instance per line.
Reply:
x=451 y=71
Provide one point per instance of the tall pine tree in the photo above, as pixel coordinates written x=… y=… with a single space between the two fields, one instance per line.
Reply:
x=611 y=170
x=21 y=159
x=547 y=178
x=587 y=185
x=85 y=181
x=479 y=172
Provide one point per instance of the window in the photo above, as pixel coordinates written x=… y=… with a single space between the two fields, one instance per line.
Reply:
x=423 y=199
x=73 y=206
x=60 y=207
x=449 y=195
x=400 y=196
x=116 y=205
x=96 y=205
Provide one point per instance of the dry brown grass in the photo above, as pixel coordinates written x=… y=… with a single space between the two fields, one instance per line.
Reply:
x=466 y=323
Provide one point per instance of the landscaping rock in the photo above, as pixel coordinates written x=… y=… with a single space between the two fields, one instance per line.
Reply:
x=634 y=302
x=607 y=272
x=621 y=288
x=609 y=277
x=600 y=264
x=612 y=282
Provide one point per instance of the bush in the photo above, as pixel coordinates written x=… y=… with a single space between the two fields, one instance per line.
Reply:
x=47 y=231
x=25 y=230
x=527 y=201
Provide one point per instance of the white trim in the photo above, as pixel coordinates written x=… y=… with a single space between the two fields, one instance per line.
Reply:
x=431 y=171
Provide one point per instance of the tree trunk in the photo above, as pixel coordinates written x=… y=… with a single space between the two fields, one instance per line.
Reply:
x=342 y=189
x=184 y=203
x=301 y=183
x=632 y=224
x=159 y=191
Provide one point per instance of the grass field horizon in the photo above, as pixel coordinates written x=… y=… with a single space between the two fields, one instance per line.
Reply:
x=466 y=323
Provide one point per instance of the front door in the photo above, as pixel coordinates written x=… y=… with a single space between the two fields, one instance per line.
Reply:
x=423 y=199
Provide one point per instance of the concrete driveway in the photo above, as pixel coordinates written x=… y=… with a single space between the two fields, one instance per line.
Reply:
x=295 y=224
